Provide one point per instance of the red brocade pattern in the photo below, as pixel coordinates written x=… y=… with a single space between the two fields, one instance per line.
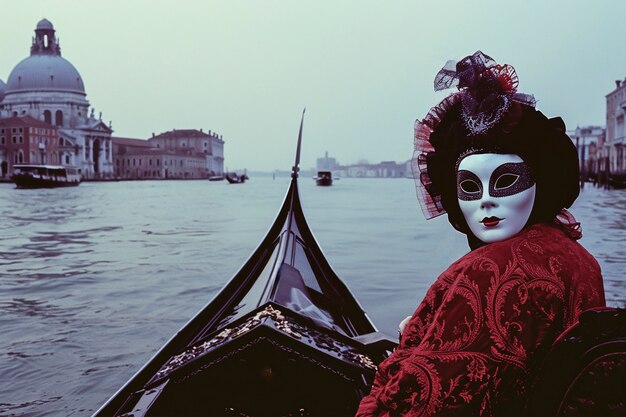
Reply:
x=472 y=345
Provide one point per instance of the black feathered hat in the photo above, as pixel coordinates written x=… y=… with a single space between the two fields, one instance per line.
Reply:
x=487 y=115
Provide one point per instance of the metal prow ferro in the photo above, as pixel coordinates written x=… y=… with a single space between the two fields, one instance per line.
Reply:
x=296 y=166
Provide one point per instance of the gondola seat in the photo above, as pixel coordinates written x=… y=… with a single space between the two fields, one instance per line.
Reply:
x=584 y=374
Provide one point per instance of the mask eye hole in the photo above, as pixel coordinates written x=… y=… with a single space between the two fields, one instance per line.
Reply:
x=505 y=181
x=469 y=186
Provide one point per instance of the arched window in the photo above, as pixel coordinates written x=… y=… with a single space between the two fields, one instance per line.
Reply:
x=20 y=157
x=47 y=116
x=59 y=118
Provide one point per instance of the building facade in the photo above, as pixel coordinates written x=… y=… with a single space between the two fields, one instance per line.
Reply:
x=24 y=140
x=616 y=130
x=48 y=88
x=590 y=141
x=326 y=163
x=194 y=142
x=384 y=169
x=168 y=156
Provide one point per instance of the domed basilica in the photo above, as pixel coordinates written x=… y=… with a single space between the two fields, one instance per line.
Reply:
x=45 y=116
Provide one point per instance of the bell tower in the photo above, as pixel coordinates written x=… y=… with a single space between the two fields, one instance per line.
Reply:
x=45 y=41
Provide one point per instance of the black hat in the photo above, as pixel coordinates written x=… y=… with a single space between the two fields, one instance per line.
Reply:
x=487 y=115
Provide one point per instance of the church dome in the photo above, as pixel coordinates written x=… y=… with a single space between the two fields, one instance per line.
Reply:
x=45 y=24
x=45 y=69
x=45 y=73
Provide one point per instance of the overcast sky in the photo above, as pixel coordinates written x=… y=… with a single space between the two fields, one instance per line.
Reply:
x=364 y=70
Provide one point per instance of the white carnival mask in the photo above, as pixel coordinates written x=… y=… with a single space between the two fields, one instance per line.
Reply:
x=496 y=194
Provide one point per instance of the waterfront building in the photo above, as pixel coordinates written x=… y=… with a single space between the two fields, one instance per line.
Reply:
x=408 y=169
x=24 y=140
x=193 y=141
x=326 y=163
x=589 y=141
x=161 y=159
x=384 y=169
x=616 y=131
x=48 y=88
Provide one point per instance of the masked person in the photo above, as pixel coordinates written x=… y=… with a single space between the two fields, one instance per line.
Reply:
x=504 y=174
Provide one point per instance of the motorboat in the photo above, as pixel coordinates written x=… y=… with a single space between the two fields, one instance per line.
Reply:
x=44 y=176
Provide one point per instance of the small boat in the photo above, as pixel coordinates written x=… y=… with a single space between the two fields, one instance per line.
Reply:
x=324 y=178
x=44 y=176
x=234 y=178
x=284 y=337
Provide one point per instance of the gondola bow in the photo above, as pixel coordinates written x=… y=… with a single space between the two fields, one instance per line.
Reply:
x=284 y=337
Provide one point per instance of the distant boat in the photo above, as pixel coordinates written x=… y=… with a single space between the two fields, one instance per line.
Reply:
x=234 y=178
x=324 y=178
x=45 y=176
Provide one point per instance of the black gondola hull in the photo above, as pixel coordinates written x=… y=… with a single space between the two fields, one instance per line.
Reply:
x=284 y=337
x=266 y=364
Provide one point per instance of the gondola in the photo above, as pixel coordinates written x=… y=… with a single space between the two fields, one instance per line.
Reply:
x=284 y=337
x=234 y=178
x=324 y=178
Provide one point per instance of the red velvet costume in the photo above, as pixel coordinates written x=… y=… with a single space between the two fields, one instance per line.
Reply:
x=484 y=325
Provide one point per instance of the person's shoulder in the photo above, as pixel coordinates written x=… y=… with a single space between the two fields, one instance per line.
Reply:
x=537 y=241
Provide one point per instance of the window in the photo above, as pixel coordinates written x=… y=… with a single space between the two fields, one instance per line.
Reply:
x=47 y=117
x=2 y=140
x=14 y=139
x=59 y=118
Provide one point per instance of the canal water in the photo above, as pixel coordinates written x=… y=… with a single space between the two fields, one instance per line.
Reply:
x=94 y=279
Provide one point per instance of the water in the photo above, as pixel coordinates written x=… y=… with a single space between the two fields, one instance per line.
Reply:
x=94 y=279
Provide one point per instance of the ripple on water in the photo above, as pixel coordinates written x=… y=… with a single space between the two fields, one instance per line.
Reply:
x=95 y=279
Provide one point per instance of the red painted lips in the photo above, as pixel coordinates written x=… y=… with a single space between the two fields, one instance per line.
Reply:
x=491 y=221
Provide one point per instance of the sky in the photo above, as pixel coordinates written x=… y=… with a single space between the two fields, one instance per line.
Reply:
x=363 y=70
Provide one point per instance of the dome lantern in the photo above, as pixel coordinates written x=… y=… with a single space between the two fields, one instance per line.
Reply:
x=45 y=41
